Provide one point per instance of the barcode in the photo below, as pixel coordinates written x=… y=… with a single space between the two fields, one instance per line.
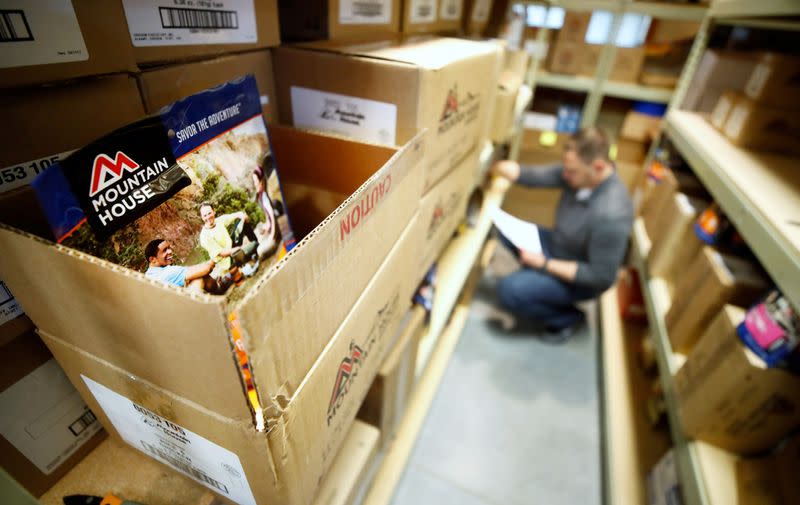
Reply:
x=186 y=468
x=368 y=9
x=82 y=423
x=14 y=26
x=172 y=17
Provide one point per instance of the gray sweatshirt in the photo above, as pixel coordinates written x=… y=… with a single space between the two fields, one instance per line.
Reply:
x=594 y=232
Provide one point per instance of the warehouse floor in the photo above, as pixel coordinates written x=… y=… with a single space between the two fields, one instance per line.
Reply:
x=515 y=420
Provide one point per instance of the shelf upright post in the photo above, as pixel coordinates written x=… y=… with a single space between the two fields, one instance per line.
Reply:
x=591 y=108
x=530 y=80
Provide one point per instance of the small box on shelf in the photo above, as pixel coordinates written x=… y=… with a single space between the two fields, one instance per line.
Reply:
x=775 y=81
x=710 y=281
x=760 y=127
x=728 y=397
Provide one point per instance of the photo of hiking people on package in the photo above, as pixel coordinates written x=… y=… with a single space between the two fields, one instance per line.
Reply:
x=190 y=198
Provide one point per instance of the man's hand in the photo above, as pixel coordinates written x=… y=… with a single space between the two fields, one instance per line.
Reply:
x=507 y=169
x=532 y=259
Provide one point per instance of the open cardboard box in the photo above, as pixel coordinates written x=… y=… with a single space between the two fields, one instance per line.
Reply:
x=171 y=351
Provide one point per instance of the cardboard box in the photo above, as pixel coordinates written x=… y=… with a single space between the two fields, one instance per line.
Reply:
x=202 y=389
x=709 y=282
x=675 y=244
x=722 y=110
x=775 y=81
x=769 y=480
x=443 y=208
x=388 y=91
x=432 y=16
x=51 y=122
x=719 y=71
x=91 y=39
x=40 y=440
x=567 y=57
x=758 y=127
x=387 y=399
x=285 y=462
x=516 y=61
x=664 y=31
x=640 y=127
x=504 y=107
x=658 y=195
x=339 y=19
x=630 y=174
x=476 y=16
x=350 y=468
x=631 y=151
x=574 y=27
x=728 y=397
x=626 y=67
x=165 y=85
x=162 y=33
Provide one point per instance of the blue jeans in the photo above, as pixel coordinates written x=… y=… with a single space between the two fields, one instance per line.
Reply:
x=538 y=296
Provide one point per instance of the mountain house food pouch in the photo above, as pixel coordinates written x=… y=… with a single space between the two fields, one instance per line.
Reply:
x=190 y=197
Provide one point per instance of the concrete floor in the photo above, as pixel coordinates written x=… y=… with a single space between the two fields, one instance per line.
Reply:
x=515 y=420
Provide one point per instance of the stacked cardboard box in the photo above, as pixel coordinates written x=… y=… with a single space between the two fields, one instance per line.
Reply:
x=515 y=64
x=764 y=116
x=339 y=19
x=388 y=396
x=710 y=281
x=719 y=71
x=387 y=92
x=572 y=55
x=728 y=397
x=476 y=16
x=674 y=242
x=432 y=16
x=313 y=346
x=41 y=440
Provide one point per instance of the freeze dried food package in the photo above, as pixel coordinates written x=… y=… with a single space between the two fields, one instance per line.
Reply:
x=190 y=197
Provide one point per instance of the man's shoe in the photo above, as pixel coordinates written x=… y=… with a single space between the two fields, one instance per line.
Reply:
x=560 y=335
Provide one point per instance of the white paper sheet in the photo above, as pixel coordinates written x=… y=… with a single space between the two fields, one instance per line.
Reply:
x=521 y=233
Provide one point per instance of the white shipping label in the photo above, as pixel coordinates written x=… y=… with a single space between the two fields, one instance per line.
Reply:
x=720 y=112
x=38 y=32
x=480 y=11
x=9 y=306
x=202 y=460
x=758 y=79
x=365 y=12
x=451 y=9
x=423 y=11
x=735 y=124
x=190 y=22
x=23 y=173
x=43 y=416
x=359 y=118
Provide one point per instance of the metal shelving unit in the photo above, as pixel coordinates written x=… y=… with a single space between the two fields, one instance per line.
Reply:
x=759 y=192
x=658 y=301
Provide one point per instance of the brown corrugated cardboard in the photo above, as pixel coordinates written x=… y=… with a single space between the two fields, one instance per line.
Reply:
x=657 y=199
x=728 y=397
x=50 y=122
x=630 y=174
x=179 y=342
x=722 y=110
x=350 y=468
x=286 y=463
x=339 y=19
x=775 y=81
x=386 y=400
x=442 y=209
x=388 y=91
x=165 y=85
x=575 y=26
x=663 y=31
x=432 y=16
x=162 y=33
x=631 y=151
x=504 y=106
x=476 y=16
x=673 y=244
x=710 y=281
x=640 y=127
x=627 y=64
x=45 y=438
x=759 y=127
x=719 y=71
x=91 y=39
x=567 y=57
x=770 y=480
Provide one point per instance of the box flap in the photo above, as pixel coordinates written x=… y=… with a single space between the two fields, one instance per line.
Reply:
x=290 y=316
x=153 y=330
x=427 y=52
